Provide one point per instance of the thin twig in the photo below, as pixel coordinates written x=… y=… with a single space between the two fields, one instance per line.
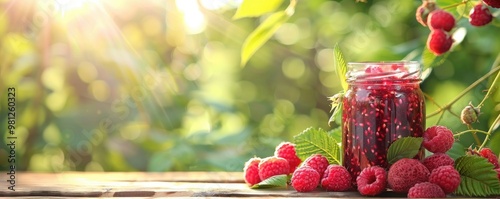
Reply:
x=489 y=132
x=463 y=93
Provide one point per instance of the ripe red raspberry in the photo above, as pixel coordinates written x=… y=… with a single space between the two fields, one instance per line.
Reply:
x=488 y=154
x=272 y=166
x=438 y=139
x=436 y=160
x=251 y=171
x=424 y=10
x=446 y=177
x=426 y=190
x=440 y=19
x=498 y=172
x=372 y=181
x=336 y=178
x=305 y=179
x=287 y=150
x=318 y=162
x=439 y=42
x=480 y=15
x=492 y=3
x=405 y=173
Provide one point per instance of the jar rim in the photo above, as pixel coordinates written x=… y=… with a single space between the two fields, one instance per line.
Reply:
x=384 y=62
x=379 y=70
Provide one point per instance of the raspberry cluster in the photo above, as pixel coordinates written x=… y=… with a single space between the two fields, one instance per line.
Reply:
x=441 y=22
x=434 y=176
x=284 y=161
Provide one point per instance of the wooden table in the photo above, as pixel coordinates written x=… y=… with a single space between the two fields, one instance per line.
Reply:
x=138 y=184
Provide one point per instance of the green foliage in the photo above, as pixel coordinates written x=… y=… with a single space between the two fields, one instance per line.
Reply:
x=317 y=141
x=457 y=150
x=340 y=66
x=406 y=147
x=255 y=8
x=478 y=179
x=261 y=34
x=274 y=181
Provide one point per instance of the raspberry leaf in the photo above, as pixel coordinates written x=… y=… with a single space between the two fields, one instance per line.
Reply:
x=478 y=179
x=336 y=103
x=340 y=66
x=317 y=141
x=255 y=8
x=275 y=181
x=262 y=33
x=406 y=147
x=457 y=150
x=430 y=60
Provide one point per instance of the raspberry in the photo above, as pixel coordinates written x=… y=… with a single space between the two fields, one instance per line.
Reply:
x=424 y=10
x=374 y=69
x=446 y=177
x=251 y=171
x=405 y=173
x=305 y=179
x=492 y=3
x=272 y=166
x=287 y=150
x=426 y=190
x=498 y=172
x=336 y=178
x=488 y=154
x=480 y=15
x=439 y=42
x=440 y=19
x=318 y=162
x=469 y=114
x=436 y=160
x=438 y=139
x=372 y=181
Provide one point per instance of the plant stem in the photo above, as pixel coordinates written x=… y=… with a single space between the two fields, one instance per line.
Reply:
x=471 y=130
x=489 y=132
x=473 y=85
x=474 y=135
x=455 y=5
x=492 y=87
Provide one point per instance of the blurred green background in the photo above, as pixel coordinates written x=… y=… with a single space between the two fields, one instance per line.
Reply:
x=157 y=85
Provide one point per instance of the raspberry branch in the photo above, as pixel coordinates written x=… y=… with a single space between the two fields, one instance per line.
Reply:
x=463 y=93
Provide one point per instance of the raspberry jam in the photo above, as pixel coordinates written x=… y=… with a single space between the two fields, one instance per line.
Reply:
x=383 y=103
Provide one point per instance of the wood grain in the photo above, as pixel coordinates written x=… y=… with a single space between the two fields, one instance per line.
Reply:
x=138 y=184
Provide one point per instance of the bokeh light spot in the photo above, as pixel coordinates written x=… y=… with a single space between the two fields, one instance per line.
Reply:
x=293 y=68
x=99 y=89
x=87 y=72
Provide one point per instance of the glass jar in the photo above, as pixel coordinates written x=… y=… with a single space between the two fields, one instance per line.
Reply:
x=383 y=103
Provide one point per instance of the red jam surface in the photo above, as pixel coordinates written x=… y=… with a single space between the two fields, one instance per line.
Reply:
x=383 y=103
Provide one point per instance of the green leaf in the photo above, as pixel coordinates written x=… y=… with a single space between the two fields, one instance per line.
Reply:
x=457 y=150
x=317 y=141
x=336 y=103
x=261 y=34
x=406 y=147
x=275 y=181
x=255 y=8
x=430 y=60
x=340 y=66
x=478 y=179
x=336 y=134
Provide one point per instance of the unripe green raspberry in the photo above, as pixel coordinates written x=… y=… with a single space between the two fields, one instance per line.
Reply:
x=469 y=114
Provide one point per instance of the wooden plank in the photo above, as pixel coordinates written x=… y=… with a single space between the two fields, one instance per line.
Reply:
x=222 y=177
x=176 y=184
